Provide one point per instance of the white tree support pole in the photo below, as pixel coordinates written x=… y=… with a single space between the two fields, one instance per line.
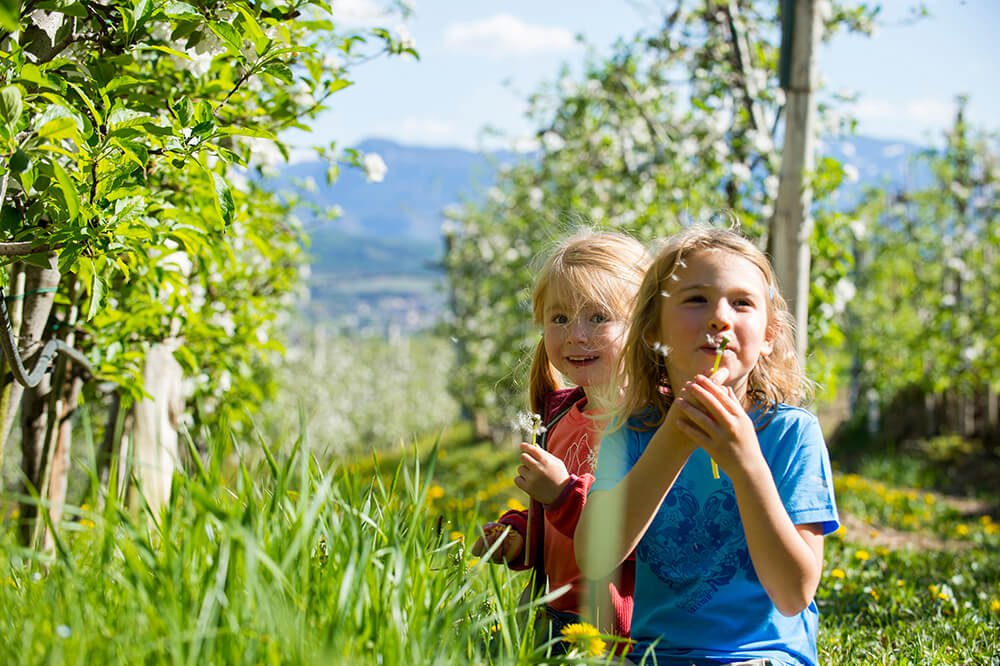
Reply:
x=792 y=224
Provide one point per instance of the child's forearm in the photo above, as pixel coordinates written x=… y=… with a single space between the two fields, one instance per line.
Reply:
x=630 y=505
x=787 y=558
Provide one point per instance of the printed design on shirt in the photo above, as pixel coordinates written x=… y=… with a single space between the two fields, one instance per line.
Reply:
x=694 y=549
x=580 y=456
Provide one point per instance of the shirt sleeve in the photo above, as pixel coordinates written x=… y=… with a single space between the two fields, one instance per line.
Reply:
x=564 y=512
x=802 y=473
x=614 y=458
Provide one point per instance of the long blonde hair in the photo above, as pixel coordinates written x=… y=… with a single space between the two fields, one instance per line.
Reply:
x=777 y=377
x=602 y=267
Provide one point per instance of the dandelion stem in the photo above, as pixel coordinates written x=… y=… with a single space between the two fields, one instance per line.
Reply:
x=715 y=366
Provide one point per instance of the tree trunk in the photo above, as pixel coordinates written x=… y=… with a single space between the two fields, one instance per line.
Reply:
x=37 y=294
x=791 y=226
x=154 y=428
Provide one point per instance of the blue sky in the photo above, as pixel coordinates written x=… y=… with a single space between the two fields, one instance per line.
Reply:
x=479 y=61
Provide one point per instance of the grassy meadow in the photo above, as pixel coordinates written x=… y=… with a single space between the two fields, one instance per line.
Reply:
x=283 y=560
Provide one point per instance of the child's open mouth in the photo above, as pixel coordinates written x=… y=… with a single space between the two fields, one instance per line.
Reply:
x=581 y=361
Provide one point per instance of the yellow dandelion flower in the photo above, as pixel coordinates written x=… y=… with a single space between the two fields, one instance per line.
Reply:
x=585 y=638
x=985 y=519
x=995 y=605
x=838 y=573
x=874 y=593
x=962 y=529
x=900 y=582
x=929 y=498
x=89 y=524
x=515 y=504
x=435 y=492
x=862 y=555
x=840 y=532
x=933 y=589
x=882 y=551
x=943 y=596
x=457 y=536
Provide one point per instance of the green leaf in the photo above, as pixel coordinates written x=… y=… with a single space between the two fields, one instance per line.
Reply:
x=225 y=206
x=98 y=119
x=19 y=161
x=68 y=189
x=10 y=14
x=253 y=30
x=10 y=105
x=96 y=295
x=57 y=129
x=228 y=34
x=281 y=71
x=180 y=10
x=184 y=109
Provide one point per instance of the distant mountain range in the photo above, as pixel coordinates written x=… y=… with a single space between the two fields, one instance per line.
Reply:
x=376 y=266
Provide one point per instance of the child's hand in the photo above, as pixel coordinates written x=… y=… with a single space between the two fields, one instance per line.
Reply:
x=713 y=418
x=508 y=551
x=541 y=474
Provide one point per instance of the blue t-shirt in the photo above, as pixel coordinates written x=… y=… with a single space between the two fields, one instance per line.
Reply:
x=697 y=597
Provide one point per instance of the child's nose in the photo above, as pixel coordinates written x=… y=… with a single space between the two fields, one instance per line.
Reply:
x=579 y=329
x=721 y=317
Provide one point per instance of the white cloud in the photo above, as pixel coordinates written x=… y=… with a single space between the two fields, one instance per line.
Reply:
x=504 y=34
x=358 y=12
x=914 y=119
x=424 y=132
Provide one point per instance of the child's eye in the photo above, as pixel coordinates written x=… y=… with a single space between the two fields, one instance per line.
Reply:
x=695 y=298
x=743 y=303
x=599 y=318
x=560 y=319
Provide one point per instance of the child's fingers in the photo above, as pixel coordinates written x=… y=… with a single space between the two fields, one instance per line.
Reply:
x=720 y=376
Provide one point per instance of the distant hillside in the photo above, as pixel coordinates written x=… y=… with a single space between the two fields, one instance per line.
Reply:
x=420 y=182
x=376 y=266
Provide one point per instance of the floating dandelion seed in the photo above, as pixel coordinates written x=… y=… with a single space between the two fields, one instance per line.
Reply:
x=660 y=348
x=673 y=276
x=665 y=293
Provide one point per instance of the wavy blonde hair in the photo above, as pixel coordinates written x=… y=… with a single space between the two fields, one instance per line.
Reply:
x=601 y=267
x=777 y=377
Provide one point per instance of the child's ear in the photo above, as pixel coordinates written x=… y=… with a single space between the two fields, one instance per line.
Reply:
x=769 y=337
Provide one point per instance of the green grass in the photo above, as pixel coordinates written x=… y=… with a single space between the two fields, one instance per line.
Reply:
x=366 y=562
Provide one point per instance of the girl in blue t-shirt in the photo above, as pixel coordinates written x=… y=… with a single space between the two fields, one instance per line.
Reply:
x=720 y=484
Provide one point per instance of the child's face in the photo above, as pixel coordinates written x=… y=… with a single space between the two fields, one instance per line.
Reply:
x=717 y=294
x=583 y=340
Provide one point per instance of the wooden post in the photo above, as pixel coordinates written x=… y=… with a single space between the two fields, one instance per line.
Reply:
x=791 y=226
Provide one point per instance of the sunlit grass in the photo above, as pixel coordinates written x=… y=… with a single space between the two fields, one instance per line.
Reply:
x=290 y=561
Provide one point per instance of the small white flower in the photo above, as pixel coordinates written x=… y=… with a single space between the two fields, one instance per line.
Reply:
x=553 y=142
x=374 y=167
x=740 y=171
x=63 y=631
x=851 y=173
